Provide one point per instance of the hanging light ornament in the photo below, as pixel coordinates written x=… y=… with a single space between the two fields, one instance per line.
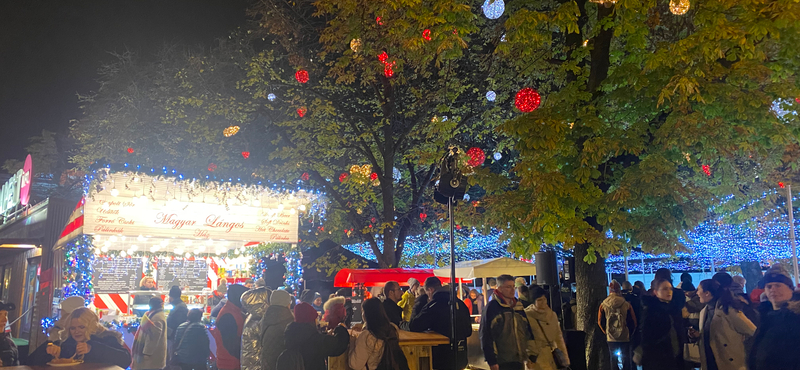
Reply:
x=301 y=76
x=426 y=34
x=271 y=97
x=797 y=99
x=246 y=155
x=230 y=131
x=781 y=185
x=301 y=111
x=212 y=167
x=497 y=156
x=707 y=169
x=130 y=150
x=379 y=20
x=491 y=95
x=343 y=177
x=476 y=156
x=493 y=9
x=355 y=45
x=679 y=7
x=527 y=100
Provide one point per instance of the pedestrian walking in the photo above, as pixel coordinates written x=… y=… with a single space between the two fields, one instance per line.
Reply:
x=617 y=320
x=273 y=325
x=150 y=341
x=192 y=347
x=548 y=340
x=306 y=345
x=505 y=330
x=777 y=339
x=228 y=331
x=661 y=347
x=435 y=316
x=723 y=328
x=378 y=346
x=254 y=303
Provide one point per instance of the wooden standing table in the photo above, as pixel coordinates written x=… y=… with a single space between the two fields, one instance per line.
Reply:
x=416 y=347
x=84 y=366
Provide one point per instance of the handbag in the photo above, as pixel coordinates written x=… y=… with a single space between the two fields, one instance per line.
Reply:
x=559 y=357
x=174 y=360
x=691 y=352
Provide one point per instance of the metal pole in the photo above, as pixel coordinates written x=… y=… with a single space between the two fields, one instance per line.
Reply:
x=453 y=297
x=791 y=232
x=625 y=256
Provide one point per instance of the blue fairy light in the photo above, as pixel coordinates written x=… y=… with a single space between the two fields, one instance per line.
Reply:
x=493 y=9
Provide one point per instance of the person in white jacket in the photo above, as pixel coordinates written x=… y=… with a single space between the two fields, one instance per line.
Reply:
x=366 y=350
x=150 y=341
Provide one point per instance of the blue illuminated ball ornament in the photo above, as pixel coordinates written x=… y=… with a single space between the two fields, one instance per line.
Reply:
x=466 y=197
x=493 y=9
x=497 y=156
x=491 y=96
x=271 y=97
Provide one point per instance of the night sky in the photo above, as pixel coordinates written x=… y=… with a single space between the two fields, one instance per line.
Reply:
x=51 y=50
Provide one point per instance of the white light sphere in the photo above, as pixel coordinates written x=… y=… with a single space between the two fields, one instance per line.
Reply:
x=122 y=253
x=491 y=95
x=497 y=156
x=466 y=197
x=396 y=174
x=493 y=9
x=114 y=192
x=271 y=97
x=187 y=255
x=302 y=208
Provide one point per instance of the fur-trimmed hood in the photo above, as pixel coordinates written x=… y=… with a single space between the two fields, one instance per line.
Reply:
x=333 y=301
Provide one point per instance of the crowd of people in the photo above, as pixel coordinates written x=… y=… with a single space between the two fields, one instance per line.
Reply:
x=712 y=326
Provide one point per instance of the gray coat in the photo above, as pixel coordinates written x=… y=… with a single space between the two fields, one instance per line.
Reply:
x=150 y=343
x=273 y=326
x=728 y=332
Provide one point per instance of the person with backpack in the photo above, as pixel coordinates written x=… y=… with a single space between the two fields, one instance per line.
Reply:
x=191 y=342
x=306 y=347
x=377 y=347
x=617 y=320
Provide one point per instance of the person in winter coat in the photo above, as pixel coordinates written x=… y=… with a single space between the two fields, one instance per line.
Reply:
x=348 y=305
x=191 y=342
x=218 y=298
x=368 y=349
x=87 y=340
x=393 y=294
x=304 y=343
x=777 y=340
x=255 y=303
x=273 y=325
x=505 y=329
x=546 y=331
x=228 y=332
x=617 y=320
x=9 y=353
x=60 y=331
x=435 y=316
x=723 y=328
x=408 y=299
x=150 y=340
x=177 y=316
x=474 y=302
x=419 y=302
x=661 y=346
x=335 y=313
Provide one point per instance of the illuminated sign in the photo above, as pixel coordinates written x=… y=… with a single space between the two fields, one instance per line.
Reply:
x=16 y=190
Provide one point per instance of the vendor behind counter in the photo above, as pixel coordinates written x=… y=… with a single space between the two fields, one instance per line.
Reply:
x=143 y=295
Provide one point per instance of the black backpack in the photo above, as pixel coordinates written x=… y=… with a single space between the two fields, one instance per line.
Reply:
x=393 y=357
x=290 y=359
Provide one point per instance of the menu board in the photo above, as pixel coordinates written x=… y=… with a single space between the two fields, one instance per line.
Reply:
x=116 y=275
x=187 y=274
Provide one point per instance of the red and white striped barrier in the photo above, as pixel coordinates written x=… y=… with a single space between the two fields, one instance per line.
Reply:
x=112 y=302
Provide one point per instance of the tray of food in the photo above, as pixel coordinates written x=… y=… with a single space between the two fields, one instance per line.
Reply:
x=62 y=362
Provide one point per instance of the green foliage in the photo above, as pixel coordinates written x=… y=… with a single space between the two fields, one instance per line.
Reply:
x=44 y=151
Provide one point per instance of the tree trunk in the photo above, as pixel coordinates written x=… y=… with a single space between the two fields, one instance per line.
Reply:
x=591 y=291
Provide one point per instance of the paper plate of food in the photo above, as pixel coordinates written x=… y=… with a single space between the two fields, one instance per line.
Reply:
x=63 y=362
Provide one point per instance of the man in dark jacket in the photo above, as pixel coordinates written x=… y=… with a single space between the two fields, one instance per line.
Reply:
x=304 y=341
x=191 y=342
x=777 y=339
x=393 y=295
x=228 y=333
x=178 y=313
x=435 y=316
x=505 y=330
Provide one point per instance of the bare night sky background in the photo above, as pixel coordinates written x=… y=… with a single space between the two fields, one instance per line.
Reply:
x=50 y=50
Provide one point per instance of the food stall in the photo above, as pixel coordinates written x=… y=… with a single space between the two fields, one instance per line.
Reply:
x=485 y=269
x=135 y=235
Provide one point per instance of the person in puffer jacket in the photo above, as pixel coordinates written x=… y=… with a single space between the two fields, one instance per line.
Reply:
x=191 y=342
x=304 y=341
x=273 y=324
x=617 y=320
x=255 y=303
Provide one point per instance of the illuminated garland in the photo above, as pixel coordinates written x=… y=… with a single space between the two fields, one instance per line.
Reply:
x=79 y=256
x=294 y=270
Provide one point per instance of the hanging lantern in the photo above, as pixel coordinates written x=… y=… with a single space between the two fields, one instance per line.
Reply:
x=246 y=155
x=301 y=76
x=230 y=131
x=493 y=9
x=527 y=100
x=355 y=45
x=679 y=7
x=426 y=34
x=130 y=150
x=476 y=156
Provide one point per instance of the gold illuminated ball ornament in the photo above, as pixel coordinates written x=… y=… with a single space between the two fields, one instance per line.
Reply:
x=679 y=7
x=230 y=131
x=355 y=45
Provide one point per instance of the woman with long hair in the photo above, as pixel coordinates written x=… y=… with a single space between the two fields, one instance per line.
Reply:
x=723 y=328
x=661 y=345
x=377 y=346
x=88 y=341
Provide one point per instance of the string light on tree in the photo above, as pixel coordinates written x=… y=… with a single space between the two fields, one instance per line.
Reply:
x=493 y=9
x=230 y=131
x=527 y=100
x=679 y=7
x=423 y=216
x=491 y=95
x=781 y=185
x=301 y=76
x=304 y=176
x=79 y=268
x=476 y=156
x=379 y=20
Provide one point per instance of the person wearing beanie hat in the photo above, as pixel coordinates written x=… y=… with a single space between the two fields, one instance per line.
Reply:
x=777 y=339
x=409 y=298
x=228 y=332
x=273 y=325
x=304 y=342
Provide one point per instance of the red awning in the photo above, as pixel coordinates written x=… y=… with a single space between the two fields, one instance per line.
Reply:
x=347 y=278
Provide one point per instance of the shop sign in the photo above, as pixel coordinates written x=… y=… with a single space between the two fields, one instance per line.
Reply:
x=108 y=215
x=16 y=191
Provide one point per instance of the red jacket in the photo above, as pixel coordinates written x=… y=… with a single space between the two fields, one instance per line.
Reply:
x=228 y=336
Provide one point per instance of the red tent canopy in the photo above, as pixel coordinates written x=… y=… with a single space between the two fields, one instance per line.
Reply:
x=348 y=278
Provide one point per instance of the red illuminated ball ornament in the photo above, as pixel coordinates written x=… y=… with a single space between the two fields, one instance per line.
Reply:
x=426 y=35
x=423 y=216
x=343 y=177
x=379 y=20
x=527 y=100
x=383 y=57
x=246 y=155
x=476 y=156
x=781 y=184
x=212 y=167
x=301 y=111
x=388 y=71
x=304 y=176
x=130 y=150
x=797 y=99
x=707 y=169
x=301 y=76
x=373 y=176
